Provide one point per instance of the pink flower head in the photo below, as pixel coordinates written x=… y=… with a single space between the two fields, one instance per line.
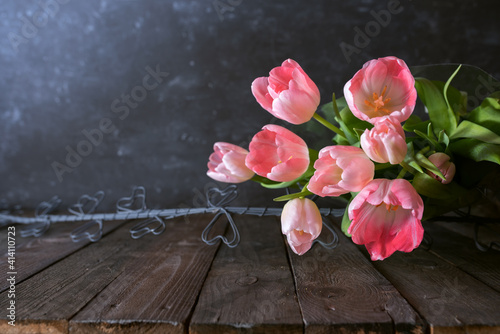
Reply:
x=278 y=154
x=386 y=217
x=383 y=88
x=301 y=223
x=339 y=170
x=227 y=164
x=445 y=166
x=385 y=142
x=288 y=93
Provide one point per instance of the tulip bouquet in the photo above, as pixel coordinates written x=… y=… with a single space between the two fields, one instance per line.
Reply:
x=392 y=167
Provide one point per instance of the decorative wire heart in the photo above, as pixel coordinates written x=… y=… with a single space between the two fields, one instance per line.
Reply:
x=217 y=198
x=82 y=232
x=137 y=198
x=46 y=207
x=335 y=240
x=142 y=228
x=87 y=204
x=43 y=209
x=236 y=234
x=36 y=229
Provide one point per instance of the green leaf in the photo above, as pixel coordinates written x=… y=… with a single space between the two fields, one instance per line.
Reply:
x=292 y=196
x=346 y=222
x=280 y=184
x=440 y=115
x=415 y=123
x=432 y=188
x=345 y=117
x=341 y=102
x=488 y=114
x=476 y=150
x=348 y=122
x=457 y=100
x=410 y=158
x=432 y=141
x=473 y=81
x=427 y=164
x=443 y=138
x=468 y=129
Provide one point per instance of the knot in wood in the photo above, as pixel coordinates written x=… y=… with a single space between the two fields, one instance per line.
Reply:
x=247 y=280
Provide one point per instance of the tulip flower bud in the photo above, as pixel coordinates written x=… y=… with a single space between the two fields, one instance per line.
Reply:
x=445 y=166
x=278 y=154
x=385 y=142
x=288 y=93
x=301 y=222
x=339 y=170
x=227 y=164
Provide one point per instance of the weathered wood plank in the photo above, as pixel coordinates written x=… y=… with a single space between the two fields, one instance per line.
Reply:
x=159 y=284
x=249 y=288
x=340 y=290
x=450 y=300
x=463 y=253
x=487 y=232
x=58 y=293
x=35 y=254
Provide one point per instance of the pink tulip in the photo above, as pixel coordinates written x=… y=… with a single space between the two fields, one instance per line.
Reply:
x=339 y=170
x=227 y=164
x=383 y=88
x=278 y=154
x=385 y=142
x=386 y=217
x=445 y=166
x=301 y=223
x=288 y=93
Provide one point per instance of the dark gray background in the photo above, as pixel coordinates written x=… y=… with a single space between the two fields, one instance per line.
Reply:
x=62 y=78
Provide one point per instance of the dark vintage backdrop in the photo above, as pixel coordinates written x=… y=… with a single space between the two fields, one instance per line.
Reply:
x=108 y=94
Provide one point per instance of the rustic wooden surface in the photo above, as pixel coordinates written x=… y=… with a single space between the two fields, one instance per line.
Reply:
x=174 y=283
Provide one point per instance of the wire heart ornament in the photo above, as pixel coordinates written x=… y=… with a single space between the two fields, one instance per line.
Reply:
x=236 y=234
x=35 y=230
x=85 y=231
x=217 y=198
x=133 y=203
x=87 y=204
x=42 y=210
x=154 y=225
x=46 y=207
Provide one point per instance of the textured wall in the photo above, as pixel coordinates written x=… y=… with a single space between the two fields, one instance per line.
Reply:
x=143 y=88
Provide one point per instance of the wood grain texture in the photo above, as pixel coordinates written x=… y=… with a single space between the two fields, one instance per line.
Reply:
x=487 y=233
x=450 y=300
x=158 y=286
x=340 y=290
x=463 y=253
x=58 y=293
x=250 y=288
x=35 y=254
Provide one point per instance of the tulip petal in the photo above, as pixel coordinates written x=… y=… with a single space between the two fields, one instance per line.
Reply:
x=261 y=94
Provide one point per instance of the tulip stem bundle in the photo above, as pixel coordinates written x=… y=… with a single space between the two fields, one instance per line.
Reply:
x=394 y=168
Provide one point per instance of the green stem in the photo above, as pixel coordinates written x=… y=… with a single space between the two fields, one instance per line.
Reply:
x=335 y=107
x=402 y=173
x=407 y=167
x=383 y=166
x=329 y=125
x=304 y=189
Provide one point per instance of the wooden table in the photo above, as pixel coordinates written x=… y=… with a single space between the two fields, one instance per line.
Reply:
x=174 y=283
